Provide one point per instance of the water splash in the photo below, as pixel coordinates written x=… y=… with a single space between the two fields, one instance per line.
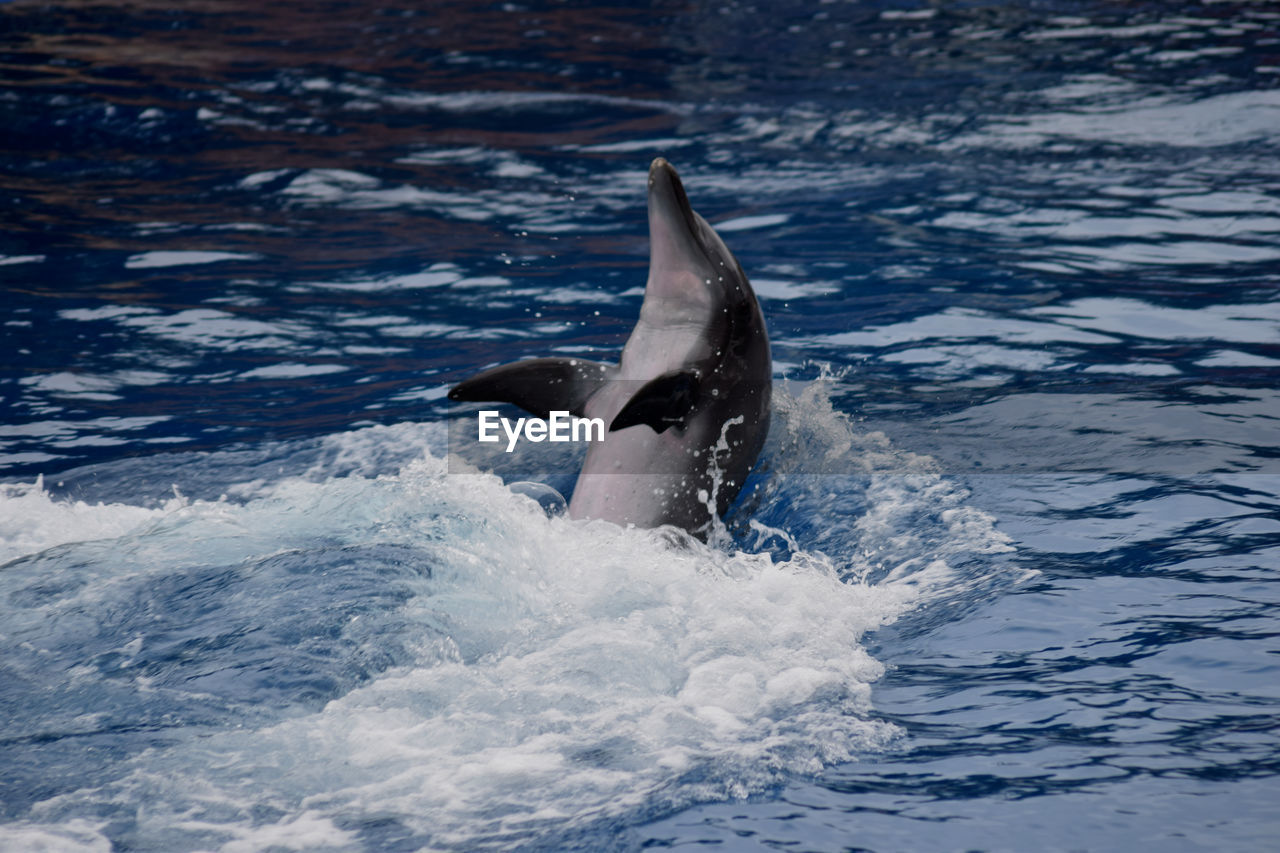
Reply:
x=428 y=656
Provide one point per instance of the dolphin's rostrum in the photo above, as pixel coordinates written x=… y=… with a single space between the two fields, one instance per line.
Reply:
x=687 y=407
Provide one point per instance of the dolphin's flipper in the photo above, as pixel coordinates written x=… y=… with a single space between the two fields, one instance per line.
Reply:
x=539 y=385
x=662 y=402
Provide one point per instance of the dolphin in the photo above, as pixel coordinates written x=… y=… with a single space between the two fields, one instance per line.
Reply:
x=687 y=406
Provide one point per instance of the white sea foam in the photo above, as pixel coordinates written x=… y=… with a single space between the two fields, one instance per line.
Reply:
x=782 y=289
x=962 y=359
x=214 y=329
x=32 y=521
x=632 y=145
x=151 y=260
x=587 y=669
x=973 y=322
x=1212 y=121
x=6 y=260
x=291 y=370
x=1065 y=224
x=75 y=836
x=560 y=673
x=1136 y=368
x=1245 y=323
x=357 y=190
x=1234 y=358
x=749 y=223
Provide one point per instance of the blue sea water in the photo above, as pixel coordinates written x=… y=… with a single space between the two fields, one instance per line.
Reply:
x=1005 y=578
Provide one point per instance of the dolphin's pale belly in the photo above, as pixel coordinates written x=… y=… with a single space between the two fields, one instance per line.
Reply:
x=671 y=490
x=641 y=477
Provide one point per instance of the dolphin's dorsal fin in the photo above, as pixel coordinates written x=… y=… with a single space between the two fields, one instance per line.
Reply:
x=539 y=385
x=661 y=402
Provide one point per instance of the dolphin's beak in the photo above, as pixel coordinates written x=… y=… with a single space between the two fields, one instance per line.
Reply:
x=677 y=258
x=667 y=200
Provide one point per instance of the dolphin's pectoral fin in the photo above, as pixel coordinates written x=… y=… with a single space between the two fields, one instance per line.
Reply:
x=539 y=385
x=661 y=402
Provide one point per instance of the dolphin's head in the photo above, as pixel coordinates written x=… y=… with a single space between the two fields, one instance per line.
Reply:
x=690 y=268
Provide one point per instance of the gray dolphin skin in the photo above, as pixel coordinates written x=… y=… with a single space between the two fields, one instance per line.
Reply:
x=687 y=407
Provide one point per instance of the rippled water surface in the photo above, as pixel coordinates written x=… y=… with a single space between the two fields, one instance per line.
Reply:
x=1005 y=579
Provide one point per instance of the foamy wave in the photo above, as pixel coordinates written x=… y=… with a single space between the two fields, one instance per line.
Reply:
x=497 y=677
x=32 y=521
x=75 y=836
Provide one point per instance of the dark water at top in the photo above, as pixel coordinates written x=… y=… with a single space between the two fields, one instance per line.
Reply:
x=1006 y=579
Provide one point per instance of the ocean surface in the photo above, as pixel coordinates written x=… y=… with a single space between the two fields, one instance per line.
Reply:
x=1006 y=577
